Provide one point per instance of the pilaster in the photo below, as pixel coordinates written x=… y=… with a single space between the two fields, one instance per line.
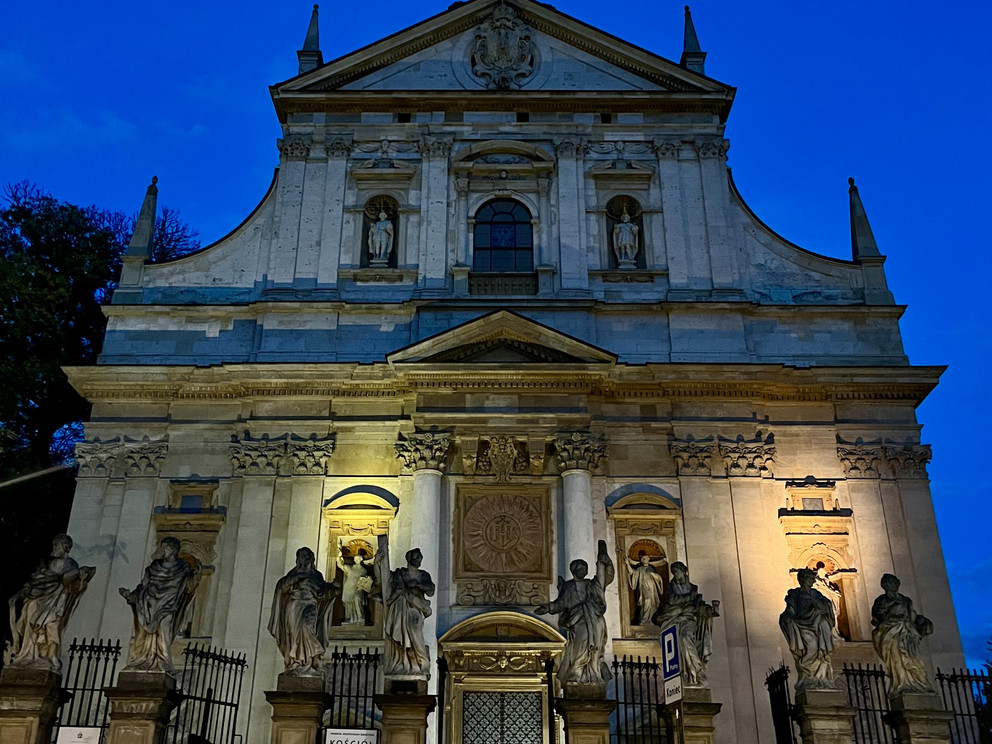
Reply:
x=571 y=215
x=436 y=152
x=331 y=243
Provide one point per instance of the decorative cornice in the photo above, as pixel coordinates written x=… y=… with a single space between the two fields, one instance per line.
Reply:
x=692 y=456
x=858 y=458
x=748 y=458
x=579 y=451
x=424 y=451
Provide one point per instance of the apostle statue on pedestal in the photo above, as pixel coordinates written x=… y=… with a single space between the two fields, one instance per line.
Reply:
x=301 y=616
x=808 y=625
x=405 y=597
x=897 y=634
x=685 y=609
x=40 y=611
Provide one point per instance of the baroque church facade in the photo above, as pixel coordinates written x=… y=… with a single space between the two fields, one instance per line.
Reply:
x=501 y=301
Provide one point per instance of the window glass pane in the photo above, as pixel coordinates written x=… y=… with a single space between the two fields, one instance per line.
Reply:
x=525 y=261
x=524 y=236
x=503 y=235
x=482 y=260
x=482 y=236
x=485 y=213
x=520 y=213
x=502 y=261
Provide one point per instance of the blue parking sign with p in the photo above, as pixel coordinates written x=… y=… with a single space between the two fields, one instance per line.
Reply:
x=670 y=663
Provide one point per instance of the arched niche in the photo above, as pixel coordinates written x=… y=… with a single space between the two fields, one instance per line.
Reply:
x=647 y=521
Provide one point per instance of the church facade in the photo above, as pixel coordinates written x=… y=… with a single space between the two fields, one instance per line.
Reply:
x=502 y=301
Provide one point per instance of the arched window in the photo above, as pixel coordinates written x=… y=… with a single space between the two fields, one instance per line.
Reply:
x=504 y=237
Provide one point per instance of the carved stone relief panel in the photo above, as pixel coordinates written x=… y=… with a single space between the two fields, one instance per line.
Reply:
x=502 y=456
x=502 y=545
x=503 y=54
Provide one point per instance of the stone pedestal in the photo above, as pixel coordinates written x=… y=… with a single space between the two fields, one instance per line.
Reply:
x=29 y=701
x=824 y=717
x=698 y=712
x=298 y=705
x=404 y=717
x=140 y=706
x=587 y=720
x=920 y=718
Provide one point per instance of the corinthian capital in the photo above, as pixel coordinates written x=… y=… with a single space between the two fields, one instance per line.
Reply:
x=436 y=147
x=295 y=147
x=858 y=458
x=692 y=457
x=256 y=456
x=570 y=147
x=143 y=459
x=713 y=148
x=338 y=148
x=426 y=451
x=96 y=459
x=579 y=451
x=908 y=460
x=309 y=456
x=754 y=458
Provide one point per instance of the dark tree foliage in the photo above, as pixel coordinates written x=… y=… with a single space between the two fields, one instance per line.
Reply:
x=59 y=263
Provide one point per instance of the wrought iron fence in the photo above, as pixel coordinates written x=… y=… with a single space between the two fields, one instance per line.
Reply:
x=640 y=716
x=210 y=684
x=91 y=667
x=780 y=697
x=352 y=680
x=868 y=693
x=968 y=694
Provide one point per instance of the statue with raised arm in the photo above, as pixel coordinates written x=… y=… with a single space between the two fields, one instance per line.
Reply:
x=581 y=610
x=355 y=588
x=685 y=609
x=625 y=244
x=897 y=634
x=380 y=240
x=405 y=596
x=41 y=609
x=831 y=591
x=647 y=584
x=808 y=623
x=160 y=605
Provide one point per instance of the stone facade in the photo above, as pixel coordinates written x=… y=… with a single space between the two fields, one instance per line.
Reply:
x=720 y=396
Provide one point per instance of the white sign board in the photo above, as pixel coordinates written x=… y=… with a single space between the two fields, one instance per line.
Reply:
x=79 y=735
x=673 y=689
x=350 y=736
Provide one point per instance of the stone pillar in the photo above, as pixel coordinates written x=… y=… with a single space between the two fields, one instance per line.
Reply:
x=331 y=243
x=920 y=718
x=404 y=717
x=298 y=705
x=587 y=721
x=140 y=706
x=436 y=152
x=698 y=712
x=578 y=455
x=29 y=701
x=824 y=717
x=571 y=216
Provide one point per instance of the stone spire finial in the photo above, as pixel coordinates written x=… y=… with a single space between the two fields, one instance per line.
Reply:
x=310 y=56
x=862 y=239
x=693 y=57
x=144 y=229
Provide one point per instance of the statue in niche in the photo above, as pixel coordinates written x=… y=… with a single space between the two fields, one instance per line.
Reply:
x=685 y=609
x=898 y=631
x=647 y=584
x=301 y=616
x=380 y=240
x=808 y=623
x=581 y=610
x=356 y=586
x=160 y=605
x=831 y=591
x=405 y=597
x=625 y=242
x=46 y=603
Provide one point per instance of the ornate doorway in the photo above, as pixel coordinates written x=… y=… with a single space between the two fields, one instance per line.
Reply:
x=497 y=690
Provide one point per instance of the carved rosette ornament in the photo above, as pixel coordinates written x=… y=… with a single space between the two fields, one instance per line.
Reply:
x=692 y=457
x=579 y=451
x=427 y=451
x=908 y=460
x=858 y=459
x=503 y=51
x=755 y=458
x=295 y=147
x=96 y=459
x=143 y=459
x=713 y=148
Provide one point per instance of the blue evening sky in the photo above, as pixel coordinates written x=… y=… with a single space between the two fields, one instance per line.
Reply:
x=98 y=97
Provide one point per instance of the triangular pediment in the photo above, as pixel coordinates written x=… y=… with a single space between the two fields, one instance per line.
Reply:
x=550 y=51
x=501 y=338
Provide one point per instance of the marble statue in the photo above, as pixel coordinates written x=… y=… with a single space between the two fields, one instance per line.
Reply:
x=380 y=240
x=896 y=636
x=647 y=584
x=355 y=588
x=301 y=615
x=831 y=591
x=625 y=241
x=45 y=604
x=405 y=596
x=581 y=610
x=807 y=624
x=685 y=609
x=160 y=605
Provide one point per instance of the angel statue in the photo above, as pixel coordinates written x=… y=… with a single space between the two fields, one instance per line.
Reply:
x=356 y=586
x=581 y=610
x=46 y=603
x=685 y=609
x=301 y=615
x=647 y=584
x=896 y=637
x=160 y=605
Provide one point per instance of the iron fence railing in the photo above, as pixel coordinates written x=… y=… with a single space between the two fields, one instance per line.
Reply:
x=91 y=667
x=780 y=698
x=640 y=716
x=967 y=694
x=210 y=686
x=868 y=693
x=353 y=678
